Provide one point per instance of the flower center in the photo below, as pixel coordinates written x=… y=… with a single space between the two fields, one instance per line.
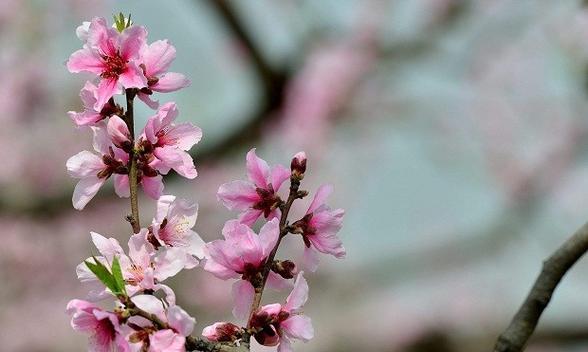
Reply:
x=115 y=66
x=137 y=275
x=269 y=200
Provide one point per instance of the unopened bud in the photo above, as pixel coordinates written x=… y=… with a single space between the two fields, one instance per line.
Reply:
x=298 y=164
x=284 y=268
x=222 y=332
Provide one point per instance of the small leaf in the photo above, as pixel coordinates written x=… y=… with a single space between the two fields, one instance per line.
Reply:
x=102 y=274
x=118 y=276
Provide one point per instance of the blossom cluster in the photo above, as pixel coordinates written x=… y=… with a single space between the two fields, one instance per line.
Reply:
x=146 y=316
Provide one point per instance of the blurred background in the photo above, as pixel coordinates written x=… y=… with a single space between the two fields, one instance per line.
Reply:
x=454 y=131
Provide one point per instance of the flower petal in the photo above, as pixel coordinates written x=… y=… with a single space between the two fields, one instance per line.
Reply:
x=107 y=88
x=257 y=169
x=85 y=190
x=84 y=164
x=170 y=82
x=298 y=327
x=121 y=186
x=157 y=57
x=243 y=293
x=85 y=60
x=153 y=186
x=299 y=294
x=238 y=195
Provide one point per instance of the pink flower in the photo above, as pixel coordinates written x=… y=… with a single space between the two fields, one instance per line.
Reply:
x=222 y=332
x=319 y=228
x=155 y=60
x=144 y=268
x=90 y=116
x=111 y=55
x=93 y=170
x=150 y=180
x=169 y=142
x=277 y=324
x=172 y=227
x=166 y=340
x=242 y=254
x=258 y=195
x=102 y=326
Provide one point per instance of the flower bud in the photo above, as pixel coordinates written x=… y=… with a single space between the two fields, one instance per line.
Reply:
x=284 y=268
x=298 y=165
x=222 y=332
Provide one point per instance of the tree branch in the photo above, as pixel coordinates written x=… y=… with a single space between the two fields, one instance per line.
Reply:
x=294 y=194
x=133 y=171
x=515 y=337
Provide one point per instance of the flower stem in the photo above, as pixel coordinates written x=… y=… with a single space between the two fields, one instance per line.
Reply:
x=294 y=185
x=133 y=172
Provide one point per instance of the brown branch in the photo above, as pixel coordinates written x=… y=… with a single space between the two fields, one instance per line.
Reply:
x=192 y=343
x=515 y=337
x=294 y=194
x=133 y=171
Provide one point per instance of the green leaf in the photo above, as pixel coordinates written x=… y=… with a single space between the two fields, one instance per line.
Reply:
x=118 y=276
x=103 y=274
x=121 y=23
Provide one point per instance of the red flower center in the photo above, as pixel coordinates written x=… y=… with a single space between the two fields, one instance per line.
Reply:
x=114 y=66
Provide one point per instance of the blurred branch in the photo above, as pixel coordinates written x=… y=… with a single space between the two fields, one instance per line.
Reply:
x=515 y=337
x=273 y=83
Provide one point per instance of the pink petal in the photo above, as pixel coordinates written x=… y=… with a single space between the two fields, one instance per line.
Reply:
x=146 y=98
x=84 y=118
x=219 y=270
x=184 y=211
x=311 y=259
x=320 y=197
x=257 y=169
x=108 y=247
x=279 y=174
x=101 y=140
x=278 y=283
x=157 y=57
x=167 y=114
x=250 y=216
x=185 y=135
x=238 y=195
x=196 y=247
x=133 y=77
x=299 y=294
x=153 y=186
x=118 y=131
x=88 y=95
x=180 y=321
x=150 y=304
x=132 y=40
x=100 y=37
x=285 y=345
x=107 y=88
x=170 y=295
x=168 y=262
x=298 y=327
x=84 y=164
x=178 y=160
x=121 y=186
x=166 y=341
x=268 y=235
x=170 y=82
x=163 y=205
x=85 y=60
x=85 y=190
x=243 y=293
x=82 y=31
